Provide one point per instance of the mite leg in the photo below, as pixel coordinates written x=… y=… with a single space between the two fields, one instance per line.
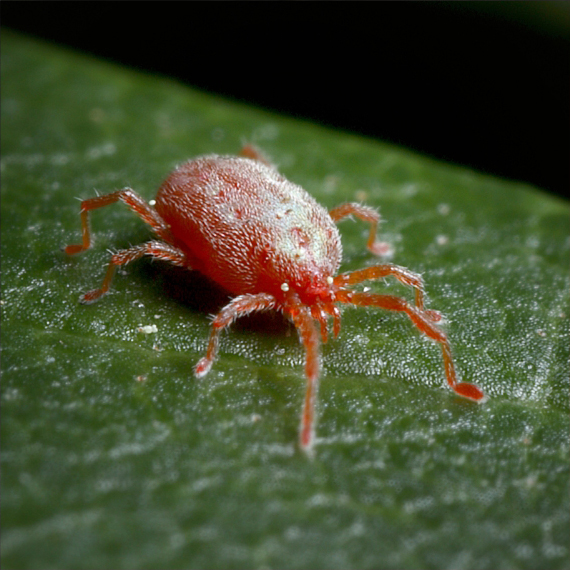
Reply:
x=400 y=273
x=237 y=307
x=320 y=313
x=366 y=214
x=251 y=151
x=156 y=249
x=425 y=325
x=305 y=326
x=134 y=202
x=301 y=317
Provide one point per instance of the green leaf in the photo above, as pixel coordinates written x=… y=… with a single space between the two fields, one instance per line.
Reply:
x=115 y=456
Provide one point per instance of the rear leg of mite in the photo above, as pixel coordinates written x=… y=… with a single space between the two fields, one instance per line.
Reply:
x=156 y=249
x=133 y=201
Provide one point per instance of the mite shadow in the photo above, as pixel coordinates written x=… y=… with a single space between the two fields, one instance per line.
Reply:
x=199 y=294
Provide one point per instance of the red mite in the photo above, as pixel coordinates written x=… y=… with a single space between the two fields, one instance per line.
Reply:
x=265 y=240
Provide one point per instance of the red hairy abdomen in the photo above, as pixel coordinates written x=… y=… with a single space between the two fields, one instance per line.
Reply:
x=247 y=227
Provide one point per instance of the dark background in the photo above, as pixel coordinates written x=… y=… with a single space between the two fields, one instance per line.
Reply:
x=483 y=84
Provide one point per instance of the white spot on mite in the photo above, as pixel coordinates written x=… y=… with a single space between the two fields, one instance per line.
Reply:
x=284 y=287
x=330 y=280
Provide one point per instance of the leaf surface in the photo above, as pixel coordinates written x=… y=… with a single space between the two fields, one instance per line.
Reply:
x=115 y=456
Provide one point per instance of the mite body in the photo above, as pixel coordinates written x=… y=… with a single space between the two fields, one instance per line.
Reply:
x=269 y=243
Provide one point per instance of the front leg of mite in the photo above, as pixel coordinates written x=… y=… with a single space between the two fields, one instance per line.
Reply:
x=237 y=307
x=402 y=274
x=366 y=214
x=425 y=325
x=305 y=325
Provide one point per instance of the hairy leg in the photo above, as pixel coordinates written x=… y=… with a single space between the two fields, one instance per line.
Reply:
x=402 y=274
x=155 y=249
x=251 y=151
x=305 y=326
x=366 y=214
x=425 y=325
x=237 y=307
x=134 y=202
x=321 y=312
